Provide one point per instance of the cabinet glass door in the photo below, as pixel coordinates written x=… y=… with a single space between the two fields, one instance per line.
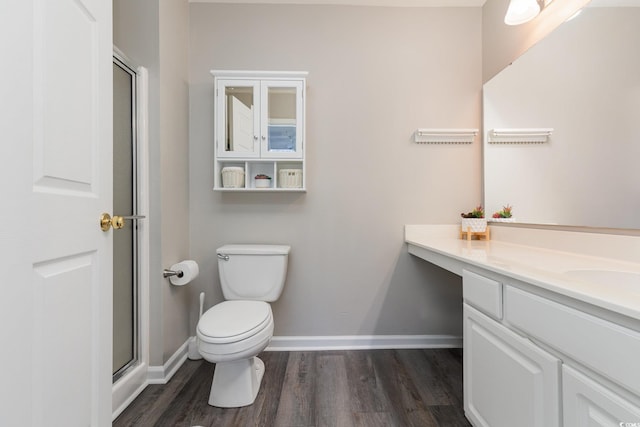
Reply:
x=281 y=133
x=237 y=104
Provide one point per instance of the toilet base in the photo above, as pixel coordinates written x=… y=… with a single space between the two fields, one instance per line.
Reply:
x=236 y=383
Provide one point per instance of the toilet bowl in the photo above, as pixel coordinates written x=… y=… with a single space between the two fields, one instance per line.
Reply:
x=232 y=333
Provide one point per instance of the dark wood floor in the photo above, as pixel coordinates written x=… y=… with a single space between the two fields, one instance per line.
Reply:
x=325 y=388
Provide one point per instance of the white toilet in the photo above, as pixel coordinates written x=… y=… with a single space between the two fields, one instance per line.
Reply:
x=233 y=332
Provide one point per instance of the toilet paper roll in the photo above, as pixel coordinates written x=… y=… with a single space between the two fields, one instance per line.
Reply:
x=189 y=270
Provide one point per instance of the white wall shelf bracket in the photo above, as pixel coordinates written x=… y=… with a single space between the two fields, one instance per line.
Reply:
x=519 y=136
x=445 y=136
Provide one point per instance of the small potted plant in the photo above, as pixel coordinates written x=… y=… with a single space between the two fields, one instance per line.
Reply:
x=505 y=215
x=263 y=181
x=474 y=221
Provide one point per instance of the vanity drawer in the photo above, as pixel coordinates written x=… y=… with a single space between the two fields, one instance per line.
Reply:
x=482 y=293
x=607 y=348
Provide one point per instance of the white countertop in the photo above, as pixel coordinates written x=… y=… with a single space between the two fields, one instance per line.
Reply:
x=614 y=284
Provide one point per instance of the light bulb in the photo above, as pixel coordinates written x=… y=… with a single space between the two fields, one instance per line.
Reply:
x=521 y=11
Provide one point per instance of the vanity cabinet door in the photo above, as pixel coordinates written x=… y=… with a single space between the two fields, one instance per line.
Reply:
x=587 y=403
x=508 y=380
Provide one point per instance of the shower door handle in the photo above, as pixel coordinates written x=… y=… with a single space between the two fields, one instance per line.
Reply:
x=117 y=222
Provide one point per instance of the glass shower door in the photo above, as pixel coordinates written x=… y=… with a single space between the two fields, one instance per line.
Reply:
x=125 y=347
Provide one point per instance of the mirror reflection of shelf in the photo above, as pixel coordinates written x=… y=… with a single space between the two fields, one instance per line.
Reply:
x=520 y=136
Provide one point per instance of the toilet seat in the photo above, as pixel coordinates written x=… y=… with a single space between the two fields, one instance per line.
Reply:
x=234 y=330
x=232 y=321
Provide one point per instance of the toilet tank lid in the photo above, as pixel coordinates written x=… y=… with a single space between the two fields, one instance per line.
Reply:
x=254 y=249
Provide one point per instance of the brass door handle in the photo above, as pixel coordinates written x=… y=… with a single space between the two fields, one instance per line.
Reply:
x=117 y=222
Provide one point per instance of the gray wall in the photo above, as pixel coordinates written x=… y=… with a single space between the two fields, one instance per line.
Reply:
x=154 y=34
x=174 y=161
x=375 y=75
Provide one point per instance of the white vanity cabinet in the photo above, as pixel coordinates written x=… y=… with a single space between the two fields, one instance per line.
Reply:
x=588 y=403
x=508 y=380
x=259 y=129
x=538 y=359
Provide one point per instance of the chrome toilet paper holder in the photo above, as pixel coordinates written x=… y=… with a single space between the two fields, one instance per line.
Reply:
x=170 y=273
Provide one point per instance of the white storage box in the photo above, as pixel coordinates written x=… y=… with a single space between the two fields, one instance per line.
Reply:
x=233 y=177
x=290 y=178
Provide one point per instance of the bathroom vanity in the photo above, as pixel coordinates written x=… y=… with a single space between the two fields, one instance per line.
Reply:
x=551 y=324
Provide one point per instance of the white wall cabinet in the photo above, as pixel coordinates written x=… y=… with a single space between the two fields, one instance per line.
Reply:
x=540 y=362
x=260 y=127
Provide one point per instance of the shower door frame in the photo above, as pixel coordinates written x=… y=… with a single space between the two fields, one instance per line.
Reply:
x=129 y=381
x=135 y=347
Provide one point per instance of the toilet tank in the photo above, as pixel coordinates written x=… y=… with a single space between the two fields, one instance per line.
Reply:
x=252 y=272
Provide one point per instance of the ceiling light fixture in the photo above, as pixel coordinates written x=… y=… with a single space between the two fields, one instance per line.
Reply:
x=521 y=11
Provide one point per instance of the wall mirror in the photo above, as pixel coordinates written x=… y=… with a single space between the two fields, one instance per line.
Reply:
x=583 y=81
x=282 y=118
x=261 y=118
x=240 y=123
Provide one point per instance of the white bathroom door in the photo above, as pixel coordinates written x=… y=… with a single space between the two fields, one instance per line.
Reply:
x=56 y=136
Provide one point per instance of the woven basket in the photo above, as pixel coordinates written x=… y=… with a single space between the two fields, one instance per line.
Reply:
x=233 y=177
x=290 y=178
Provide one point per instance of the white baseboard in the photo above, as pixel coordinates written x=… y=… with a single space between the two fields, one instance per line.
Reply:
x=127 y=388
x=363 y=342
x=162 y=374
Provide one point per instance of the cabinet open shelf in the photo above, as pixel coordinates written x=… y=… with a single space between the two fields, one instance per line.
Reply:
x=275 y=169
